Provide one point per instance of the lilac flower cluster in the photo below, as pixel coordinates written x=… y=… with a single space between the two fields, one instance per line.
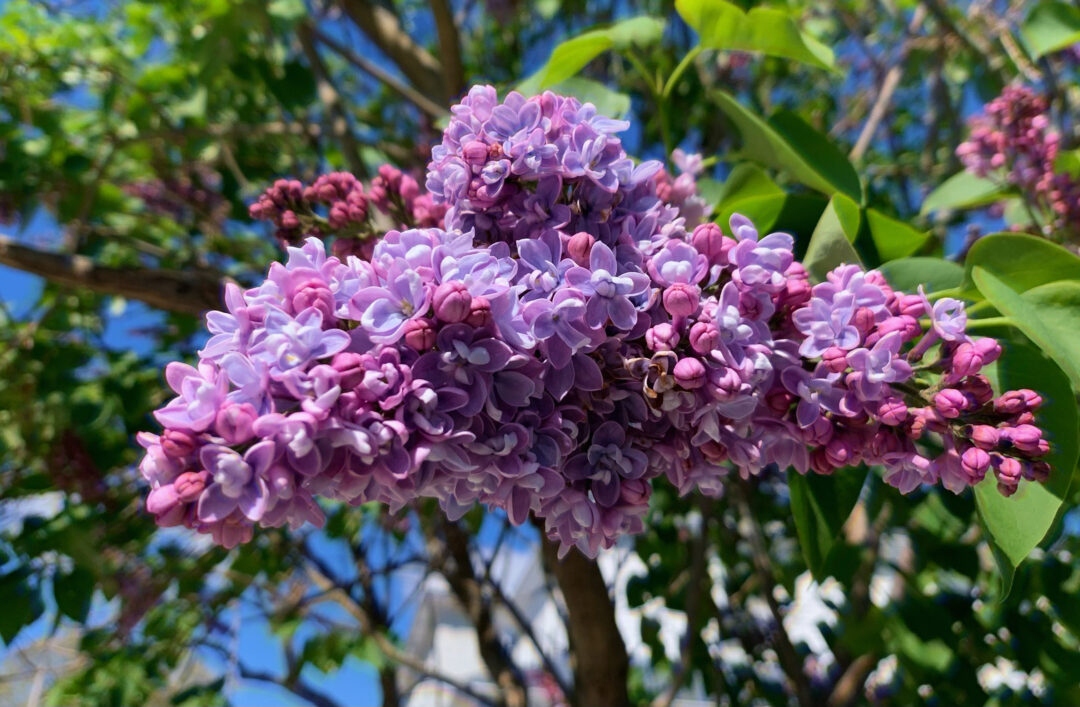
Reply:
x=337 y=204
x=561 y=343
x=1013 y=138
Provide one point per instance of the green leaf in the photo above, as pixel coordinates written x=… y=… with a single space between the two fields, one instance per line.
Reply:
x=963 y=191
x=73 y=592
x=1016 y=525
x=831 y=243
x=1020 y=261
x=746 y=180
x=1051 y=26
x=893 y=239
x=820 y=505
x=21 y=603
x=1068 y=162
x=776 y=212
x=288 y=10
x=787 y=143
x=571 y=56
x=764 y=30
x=934 y=274
x=608 y=102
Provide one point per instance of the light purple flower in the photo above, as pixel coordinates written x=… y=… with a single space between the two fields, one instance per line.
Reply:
x=237 y=482
x=878 y=365
x=383 y=311
x=609 y=294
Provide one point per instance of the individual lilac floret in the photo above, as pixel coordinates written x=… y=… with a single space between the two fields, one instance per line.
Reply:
x=878 y=365
x=383 y=311
x=237 y=482
x=609 y=293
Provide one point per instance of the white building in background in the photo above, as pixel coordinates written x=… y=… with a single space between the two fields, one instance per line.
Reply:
x=444 y=638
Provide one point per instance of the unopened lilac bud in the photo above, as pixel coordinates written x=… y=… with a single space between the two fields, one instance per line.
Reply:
x=1026 y=438
x=835 y=359
x=863 y=319
x=779 y=400
x=975 y=462
x=479 y=313
x=1033 y=399
x=795 y=294
x=910 y=306
x=634 y=492
x=351 y=367
x=704 y=337
x=190 y=485
x=177 y=444
x=951 y=403
x=820 y=462
x=840 y=452
x=662 y=337
x=983 y=436
x=709 y=240
x=1008 y=471
x=162 y=500
x=579 y=247
x=690 y=373
x=234 y=421
x=1038 y=471
x=289 y=220
x=419 y=334
x=892 y=412
x=1017 y=401
x=725 y=381
x=681 y=300
x=978 y=388
x=452 y=302
x=281 y=481
x=475 y=152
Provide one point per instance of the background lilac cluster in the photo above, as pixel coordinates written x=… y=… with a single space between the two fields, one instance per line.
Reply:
x=560 y=341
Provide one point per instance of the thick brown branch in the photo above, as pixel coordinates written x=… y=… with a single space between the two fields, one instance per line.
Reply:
x=384 y=29
x=600 y=663
x=461 y=576
x=187 y=292
x=449 y=46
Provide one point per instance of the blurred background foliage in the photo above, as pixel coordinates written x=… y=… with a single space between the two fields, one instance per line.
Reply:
x=133 y=135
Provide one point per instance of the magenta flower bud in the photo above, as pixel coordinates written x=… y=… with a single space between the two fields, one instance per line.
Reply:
x=704 y=337
x=479 y=313
x=983 y=436
x=189 y=485
x=835 y=359
x=779 y=400
x=1033 y=399
x=796 y=271
x=662 y=337
x=951 y=403
x=978 y=388
x=910 y=306
x=796 y=293
x=579 y=247
x=840 y=452
x=863 y=320
x=907 y=326
x=452 y=302
x=289 y=220
x=681 y=300
x=162 y=500
x=709 y=240
x=419 y=334
x=1026 y=438
x=634 y=492
x=475 y=152
x=351 y=367
x=233 y=422
x=725 y=381
x=892 y=412
x=1008 y=471
x=1038 y=471
x=975 y=462
x=177 y=444
x=690 y=373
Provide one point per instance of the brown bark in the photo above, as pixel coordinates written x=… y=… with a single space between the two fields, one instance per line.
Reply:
x=598 y=654
x=449 y=46
x=186 y=292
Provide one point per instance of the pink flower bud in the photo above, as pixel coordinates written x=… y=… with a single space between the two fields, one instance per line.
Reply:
x=709 y=240
x=681 y=300
x=910 y=306
x=977 y=387
x=951 y=403
x=579 y=247
x=662 y=337
x=634 y=492
x=189 y=485
x=1033 y=399
x=1017 y=401
x=725 y=381
x=983 y=436
x=475 y=152
x=1008 y=471
x=1026 y=438
x=779 y=400
x=479 y=313
x=892 y=412
x=452 y=302
x=795 y=294
x=233 y=422
x=351 y=367
x=690 y=373
x=177 y=444
x=840 y=452
x=975 y=462
x=863 y=320
x=835 y=359
x=419 y=334
x=704 y=337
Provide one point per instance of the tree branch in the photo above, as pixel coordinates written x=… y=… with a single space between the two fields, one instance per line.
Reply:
x=601 y=666
x=383 y=28
x=186 y=292
x=449 y=46
x=403 y=89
